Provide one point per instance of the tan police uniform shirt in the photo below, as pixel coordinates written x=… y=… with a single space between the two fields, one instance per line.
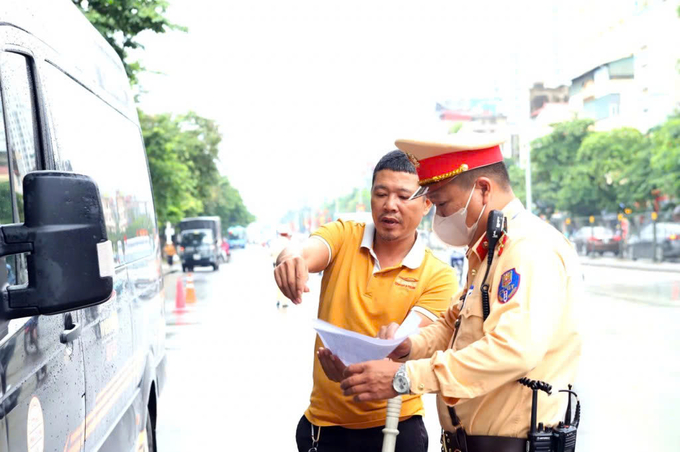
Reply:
x=534 y=284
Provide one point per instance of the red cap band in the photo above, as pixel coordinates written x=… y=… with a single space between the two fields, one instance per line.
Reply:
x=440 y=167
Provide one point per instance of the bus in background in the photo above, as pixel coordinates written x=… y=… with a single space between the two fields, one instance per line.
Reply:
x=237 y=237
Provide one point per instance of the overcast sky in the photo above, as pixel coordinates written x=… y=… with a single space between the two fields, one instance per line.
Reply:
x=309 y=94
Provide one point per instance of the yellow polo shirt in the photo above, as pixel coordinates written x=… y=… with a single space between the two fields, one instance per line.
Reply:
x=358 y=295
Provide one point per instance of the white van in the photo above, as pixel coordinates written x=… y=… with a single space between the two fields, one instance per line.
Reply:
x=82 y=328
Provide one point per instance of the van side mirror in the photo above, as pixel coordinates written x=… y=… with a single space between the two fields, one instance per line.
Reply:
x=70 y=260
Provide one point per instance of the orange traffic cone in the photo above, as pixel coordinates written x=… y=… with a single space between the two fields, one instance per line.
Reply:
x=191 y=291
x=180 y=305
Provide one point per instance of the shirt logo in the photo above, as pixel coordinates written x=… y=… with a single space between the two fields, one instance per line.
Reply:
x=508 y=286
x=409 y=283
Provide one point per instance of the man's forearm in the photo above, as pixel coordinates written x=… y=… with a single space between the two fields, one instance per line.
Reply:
x=315 y=252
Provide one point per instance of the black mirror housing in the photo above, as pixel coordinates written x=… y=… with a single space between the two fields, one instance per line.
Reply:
x=70 y=260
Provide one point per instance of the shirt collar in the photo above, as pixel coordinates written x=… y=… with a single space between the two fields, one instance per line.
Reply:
x=413 y=259
x=510 y=211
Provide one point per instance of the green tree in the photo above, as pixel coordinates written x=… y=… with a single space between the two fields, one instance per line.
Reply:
x=227 y=204
x=120 y=21
x=350 y=201
x=600 y=175
x=174 y=187
x=517 y=180
x=6 y=213
x=199 y=150
x=665 y=156
x=551 y=157
x=183 y=153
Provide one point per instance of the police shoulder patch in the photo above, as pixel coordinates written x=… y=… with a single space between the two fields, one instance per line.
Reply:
x=508 y=285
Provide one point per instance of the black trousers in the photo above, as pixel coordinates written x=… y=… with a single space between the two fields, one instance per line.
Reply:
x=412 y=437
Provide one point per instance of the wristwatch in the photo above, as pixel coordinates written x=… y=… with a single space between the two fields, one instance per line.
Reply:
x=401 y=382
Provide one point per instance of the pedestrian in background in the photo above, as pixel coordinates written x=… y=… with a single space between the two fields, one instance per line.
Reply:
x=374 y=273
x=170 y=252
x=472 y=358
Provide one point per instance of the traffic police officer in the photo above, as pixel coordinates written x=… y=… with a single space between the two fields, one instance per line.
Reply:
x=470 y=360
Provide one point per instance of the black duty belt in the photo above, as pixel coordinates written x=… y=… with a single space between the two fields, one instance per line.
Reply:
x=460 y=442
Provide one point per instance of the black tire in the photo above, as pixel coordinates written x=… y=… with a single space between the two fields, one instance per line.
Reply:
x=150 y=432
x=215 y=267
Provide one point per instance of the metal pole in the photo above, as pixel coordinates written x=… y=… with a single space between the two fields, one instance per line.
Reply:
x=654 y=258
x=391 y=429
x=527 y=175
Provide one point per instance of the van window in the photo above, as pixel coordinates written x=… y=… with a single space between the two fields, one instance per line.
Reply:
x=95 y=139
x=22 y=133
x=22 y=140
x=196 y=238
x=6 y=216
x=7 y=271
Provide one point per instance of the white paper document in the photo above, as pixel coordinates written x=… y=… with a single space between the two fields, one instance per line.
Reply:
x=352 y=347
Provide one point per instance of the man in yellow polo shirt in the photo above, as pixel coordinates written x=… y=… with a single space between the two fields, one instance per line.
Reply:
x=374 y=274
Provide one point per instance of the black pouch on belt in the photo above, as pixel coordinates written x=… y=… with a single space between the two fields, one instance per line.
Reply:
x=454 y=441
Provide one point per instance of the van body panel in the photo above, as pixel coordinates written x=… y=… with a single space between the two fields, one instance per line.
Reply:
x=38 y=367
x=94 y=391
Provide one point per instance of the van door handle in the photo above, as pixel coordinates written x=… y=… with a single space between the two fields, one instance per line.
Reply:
x=71 y=335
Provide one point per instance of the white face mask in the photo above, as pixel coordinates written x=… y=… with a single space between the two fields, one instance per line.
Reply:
x=453 y=230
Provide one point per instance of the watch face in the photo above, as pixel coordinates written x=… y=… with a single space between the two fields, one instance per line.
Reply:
x=401 y=385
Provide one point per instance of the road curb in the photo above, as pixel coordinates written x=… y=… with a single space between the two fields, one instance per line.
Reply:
x=633 y=266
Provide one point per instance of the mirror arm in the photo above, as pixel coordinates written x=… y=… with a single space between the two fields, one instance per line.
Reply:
x=14 y=240
x=14 y=232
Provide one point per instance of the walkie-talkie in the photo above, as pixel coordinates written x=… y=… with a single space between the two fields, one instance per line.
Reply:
x=540 y=438
x=494 y=229
x=564 y=435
